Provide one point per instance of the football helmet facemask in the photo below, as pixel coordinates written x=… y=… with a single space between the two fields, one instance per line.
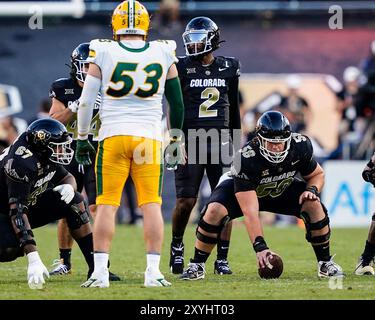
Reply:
x=273 y=127
x=50 y=139
x=201 y=36
x=78 y=61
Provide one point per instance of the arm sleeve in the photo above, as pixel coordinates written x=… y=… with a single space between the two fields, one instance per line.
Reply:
x=86 y=106
x=173 y=93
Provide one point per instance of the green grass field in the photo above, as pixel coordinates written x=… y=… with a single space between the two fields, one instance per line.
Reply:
x=299 y=280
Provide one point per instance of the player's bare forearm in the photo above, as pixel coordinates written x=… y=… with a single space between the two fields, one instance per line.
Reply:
x=316 y=178
x=59 y=112
x=69 y=179
x=249 y=205
x=63 y=116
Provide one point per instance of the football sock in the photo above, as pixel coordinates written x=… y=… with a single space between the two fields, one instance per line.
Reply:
x=322 y=252
x=153 y=261
x=176 y=240
x=86 y=245
x=222 y=249
x=200 y=256
x=101 y=261
x=65 y=256
x=369 y=252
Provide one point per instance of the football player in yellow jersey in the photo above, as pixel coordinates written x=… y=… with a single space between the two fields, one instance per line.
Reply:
x=132 y=75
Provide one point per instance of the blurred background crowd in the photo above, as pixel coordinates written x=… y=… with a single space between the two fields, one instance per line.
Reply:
x=322 y=79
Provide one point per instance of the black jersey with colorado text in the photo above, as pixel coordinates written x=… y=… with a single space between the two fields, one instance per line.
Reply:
x=210 y=93
x=251 y=171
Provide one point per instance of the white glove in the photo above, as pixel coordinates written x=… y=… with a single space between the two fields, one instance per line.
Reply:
x=66 y=191
x=74 y=106
x=36 y=271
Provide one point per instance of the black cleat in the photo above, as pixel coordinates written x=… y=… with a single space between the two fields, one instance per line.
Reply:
x=113 y=277
x=176 y=261
x=221 y=267
x=194 y=271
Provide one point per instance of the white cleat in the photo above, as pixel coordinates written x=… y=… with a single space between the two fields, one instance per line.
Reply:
x=364 y=269
x=155 y=279
x=97 y=281
x=327 y=269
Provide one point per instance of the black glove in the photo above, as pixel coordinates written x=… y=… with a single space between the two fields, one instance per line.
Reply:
x=369 y=176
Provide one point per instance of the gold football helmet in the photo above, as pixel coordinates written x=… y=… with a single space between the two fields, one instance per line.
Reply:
x=130 y=17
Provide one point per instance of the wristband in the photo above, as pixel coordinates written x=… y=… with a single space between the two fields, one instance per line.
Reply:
x=313 y=189
x=260 y=244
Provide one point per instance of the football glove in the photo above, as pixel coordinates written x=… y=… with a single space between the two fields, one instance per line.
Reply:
x=74 y=106
x=66 y=191
x=84 y=151
x=36 y=271
x=174 y=154
x=369 y=176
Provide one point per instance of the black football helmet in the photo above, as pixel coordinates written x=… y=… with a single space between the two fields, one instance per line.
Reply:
x=50 y=139
x=201 y=36
x=79 y=65
x=273 y=127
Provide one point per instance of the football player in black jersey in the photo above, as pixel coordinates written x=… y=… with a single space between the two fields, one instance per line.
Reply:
x=365 y=264
x=36 y=189
x=211 y=98
x=65 y=93
x=264 y=177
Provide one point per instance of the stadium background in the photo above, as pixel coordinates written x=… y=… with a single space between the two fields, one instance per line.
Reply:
x=271 y=39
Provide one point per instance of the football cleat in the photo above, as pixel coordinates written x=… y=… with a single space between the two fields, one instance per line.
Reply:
x=329 y=268
x=113 y=277
x=176 y=260
x=97 y=280
x=221 y=267
x=194 y=271
x=364 y=268
x=60 y=268
x=155 y=279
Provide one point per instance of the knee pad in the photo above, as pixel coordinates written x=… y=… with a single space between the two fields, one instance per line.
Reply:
x=78 y=213
x=10 y=254
x=211 y=229
x=311 y=226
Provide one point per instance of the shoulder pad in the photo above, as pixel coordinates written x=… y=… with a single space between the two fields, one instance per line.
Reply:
x=61 y=83
x=167 y=45
x=230 y=63
x=97 y=45
x=58 y=87
x=19 y=170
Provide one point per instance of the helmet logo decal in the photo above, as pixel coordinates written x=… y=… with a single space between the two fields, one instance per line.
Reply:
x=41 y=135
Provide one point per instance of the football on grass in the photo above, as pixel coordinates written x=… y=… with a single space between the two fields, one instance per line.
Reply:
x=273 y=268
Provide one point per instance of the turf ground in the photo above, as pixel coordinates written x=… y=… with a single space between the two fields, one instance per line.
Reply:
x=299 y=280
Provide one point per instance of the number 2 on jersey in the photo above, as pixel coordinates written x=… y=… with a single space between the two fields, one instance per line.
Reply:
x=212 y=95
x=154 y=72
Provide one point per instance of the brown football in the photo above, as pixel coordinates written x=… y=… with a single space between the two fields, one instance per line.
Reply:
x=273 y=269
